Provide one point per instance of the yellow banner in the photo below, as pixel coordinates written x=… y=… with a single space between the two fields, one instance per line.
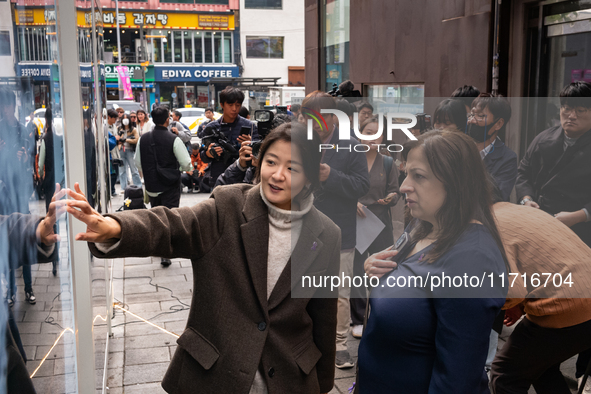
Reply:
x=131 y=19
x=164 y=20
x=34 y=16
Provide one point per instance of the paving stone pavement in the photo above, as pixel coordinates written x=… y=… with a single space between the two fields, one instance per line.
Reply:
x=139 y=353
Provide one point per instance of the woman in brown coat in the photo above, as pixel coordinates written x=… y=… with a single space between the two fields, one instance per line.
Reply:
x=256 y=324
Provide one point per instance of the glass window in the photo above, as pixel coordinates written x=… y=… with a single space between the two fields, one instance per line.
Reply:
x=264 y=47
x=217 y=45
x=167 y=47
x=178 y=46
x=270 y=4
x=222 y=2
x=227 y=47
x=198 y=47
x=208 y=49
x=336 y=42
x=156 y=38
x=188 y=35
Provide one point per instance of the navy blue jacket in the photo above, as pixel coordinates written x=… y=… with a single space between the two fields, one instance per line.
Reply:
x=501 y=164
x=347 y=182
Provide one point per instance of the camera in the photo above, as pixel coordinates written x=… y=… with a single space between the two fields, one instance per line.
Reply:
x=345 y=89
x=423 y=122
x=256 y=148
x=122 y=139
x=264 y=119
x=213 y=134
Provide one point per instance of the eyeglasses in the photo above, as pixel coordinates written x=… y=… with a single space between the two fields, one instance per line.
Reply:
x=479 y=117
x=579 y=110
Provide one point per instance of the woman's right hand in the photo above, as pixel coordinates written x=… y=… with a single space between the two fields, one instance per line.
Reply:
x=98 y=227
x=360 y=212
x=379 y=264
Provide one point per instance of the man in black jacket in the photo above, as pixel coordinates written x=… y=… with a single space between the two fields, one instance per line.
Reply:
x=161 y=155
x=345 y=179
x=555 y=173
x=230 y=124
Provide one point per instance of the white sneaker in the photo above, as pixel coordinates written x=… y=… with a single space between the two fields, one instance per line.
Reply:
x=357 y=331
x=587 y=389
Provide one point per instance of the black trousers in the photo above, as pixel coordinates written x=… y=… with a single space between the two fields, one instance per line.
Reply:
x=358 y=299
x=170 y=198
x=532 y=356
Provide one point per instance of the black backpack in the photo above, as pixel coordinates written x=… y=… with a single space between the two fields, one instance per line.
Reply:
x=133 y=198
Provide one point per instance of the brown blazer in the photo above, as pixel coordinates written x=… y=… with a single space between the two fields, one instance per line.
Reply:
x=232 y=328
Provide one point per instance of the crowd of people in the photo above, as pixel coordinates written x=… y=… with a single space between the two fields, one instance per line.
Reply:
x=282 y=209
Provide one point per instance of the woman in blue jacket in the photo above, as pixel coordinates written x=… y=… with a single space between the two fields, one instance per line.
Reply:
x=431 y=314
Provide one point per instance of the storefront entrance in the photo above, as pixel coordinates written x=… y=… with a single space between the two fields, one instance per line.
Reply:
x=558 y=46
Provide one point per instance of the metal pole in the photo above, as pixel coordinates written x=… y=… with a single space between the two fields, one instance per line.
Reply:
x=495 y=69
x=69 y=72
x=102 y=186
x=144 y=93
x=118 y=48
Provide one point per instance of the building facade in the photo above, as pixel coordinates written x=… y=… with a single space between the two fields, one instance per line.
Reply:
x=521 y=49
x=6 y=41
x=185 y=44
x=272 y=40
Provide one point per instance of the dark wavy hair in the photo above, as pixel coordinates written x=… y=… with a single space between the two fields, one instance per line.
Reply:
x=456 y=162
x=296 y=135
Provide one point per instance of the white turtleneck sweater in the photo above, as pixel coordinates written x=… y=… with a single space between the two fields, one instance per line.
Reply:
x=285 y=228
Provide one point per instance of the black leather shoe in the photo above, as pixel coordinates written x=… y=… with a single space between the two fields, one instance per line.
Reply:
x=166 y=262
x=54 y=270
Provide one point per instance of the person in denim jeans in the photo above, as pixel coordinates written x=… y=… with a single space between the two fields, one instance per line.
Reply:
x=128 y=138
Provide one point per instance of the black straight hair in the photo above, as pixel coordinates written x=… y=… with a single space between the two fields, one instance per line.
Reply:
x=244 y=112
x=497 y=105
x=297 y=135
x=209 y=109
x=159 y=115
x=231 y=95
x=111 y=113
x=178 y=114
x=466 y=94
x=451 y=110
x=577 y=94
x=365 y=104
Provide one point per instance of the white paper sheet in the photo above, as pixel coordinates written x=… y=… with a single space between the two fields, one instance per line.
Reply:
x=368 y=229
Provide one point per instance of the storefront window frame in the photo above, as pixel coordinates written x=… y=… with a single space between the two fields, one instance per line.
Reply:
x=226 y=58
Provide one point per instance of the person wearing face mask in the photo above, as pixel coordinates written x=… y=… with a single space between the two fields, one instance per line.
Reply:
x=488 y=119
x=254 y=327
x=128 y=138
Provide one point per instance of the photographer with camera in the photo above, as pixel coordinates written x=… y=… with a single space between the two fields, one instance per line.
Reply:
x=180 y=129
x=243 y=170
x=222 y=138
